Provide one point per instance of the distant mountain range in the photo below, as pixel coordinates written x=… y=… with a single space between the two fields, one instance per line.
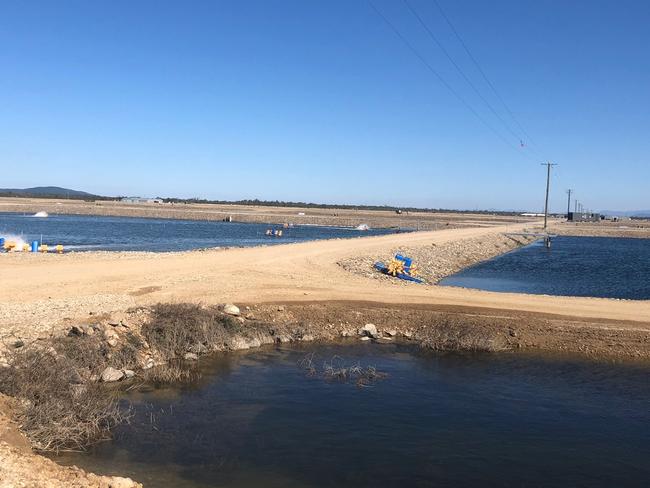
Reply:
x=45 y=191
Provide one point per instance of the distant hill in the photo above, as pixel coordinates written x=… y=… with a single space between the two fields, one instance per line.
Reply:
x=45 y=191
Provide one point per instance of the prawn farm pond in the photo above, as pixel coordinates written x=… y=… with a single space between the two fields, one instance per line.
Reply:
x=273 y=417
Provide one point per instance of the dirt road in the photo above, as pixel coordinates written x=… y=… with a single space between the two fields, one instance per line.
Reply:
x=40 y=291
x=49 y=287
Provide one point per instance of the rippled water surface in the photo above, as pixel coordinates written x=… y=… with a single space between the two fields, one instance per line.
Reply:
x=83 y=233
x=574 y=266
x=257 y=419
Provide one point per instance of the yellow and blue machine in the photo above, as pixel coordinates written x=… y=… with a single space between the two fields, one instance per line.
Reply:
x=401 y=267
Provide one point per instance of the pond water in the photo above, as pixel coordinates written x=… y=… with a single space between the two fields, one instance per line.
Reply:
x=258 y=419
x=84 y=232
x=574 y=266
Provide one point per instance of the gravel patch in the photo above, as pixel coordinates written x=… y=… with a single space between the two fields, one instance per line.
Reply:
x=44 y=318
x=436 y=261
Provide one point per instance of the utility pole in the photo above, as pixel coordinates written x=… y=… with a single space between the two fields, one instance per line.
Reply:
x=575 y=206
x=568 y=205
x=548 y=184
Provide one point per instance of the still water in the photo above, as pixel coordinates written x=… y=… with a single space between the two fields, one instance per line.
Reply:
x=574 y=266
x=85 y=233
x=257 y=419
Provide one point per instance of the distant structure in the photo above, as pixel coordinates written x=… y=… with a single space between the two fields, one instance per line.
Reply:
x=585 y=217
x=141 y=200
x=617 y=218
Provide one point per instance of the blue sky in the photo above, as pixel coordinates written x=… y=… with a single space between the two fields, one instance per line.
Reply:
x=321 y=101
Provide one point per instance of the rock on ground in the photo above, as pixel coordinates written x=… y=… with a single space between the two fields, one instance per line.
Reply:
x=111 y=374
x=231 y=309
x=369 y=330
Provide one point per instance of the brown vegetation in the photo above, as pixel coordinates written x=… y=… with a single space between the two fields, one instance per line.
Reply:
x=174 y=371
x=60 y=402
x=454 y=335
x=336 y=369
x=177 y=328
x=57 y=409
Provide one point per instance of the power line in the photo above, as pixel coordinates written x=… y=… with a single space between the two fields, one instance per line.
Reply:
x=438 y=76
x=485 y=77
x=460 y=70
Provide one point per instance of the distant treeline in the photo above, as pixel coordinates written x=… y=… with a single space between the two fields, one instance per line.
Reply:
x=263 y=203
x=280 y=203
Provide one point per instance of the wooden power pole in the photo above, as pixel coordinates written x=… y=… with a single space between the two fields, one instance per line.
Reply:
x=568 y=203
x=548 y=185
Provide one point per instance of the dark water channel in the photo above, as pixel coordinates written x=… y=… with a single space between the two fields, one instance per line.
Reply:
x=256 y=419
x=574 y=266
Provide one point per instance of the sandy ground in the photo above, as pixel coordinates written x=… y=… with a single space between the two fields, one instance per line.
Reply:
x=43 y=289
x=42 y=294
x=624 y=228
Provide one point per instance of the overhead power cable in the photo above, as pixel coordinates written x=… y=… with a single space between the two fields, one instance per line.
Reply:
x=439 y=77
x=460 y=70
x=485 y=77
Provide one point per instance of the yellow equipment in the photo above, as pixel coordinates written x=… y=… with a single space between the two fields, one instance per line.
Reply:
x=395 y=267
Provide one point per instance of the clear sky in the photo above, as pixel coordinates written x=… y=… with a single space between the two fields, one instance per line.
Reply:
x=321 y=101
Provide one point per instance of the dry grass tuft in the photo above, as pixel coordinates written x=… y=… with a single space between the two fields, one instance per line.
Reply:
x=450 y=335
x=174 y=329
x=88 y=354
x=172 y=372
x=57 y=410
x=91 y=354
x=337 y=370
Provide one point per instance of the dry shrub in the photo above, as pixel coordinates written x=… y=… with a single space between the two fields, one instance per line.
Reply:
x=92 y=354
x=174 y=329
x=449 y=335
x=86 y=353
x=172 y=372
x=56 y=409
x=125 y=355
x=337 y=370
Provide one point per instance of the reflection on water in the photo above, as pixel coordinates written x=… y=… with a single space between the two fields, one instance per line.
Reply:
x=574 y=266
x=92 y=233
x=256 y=419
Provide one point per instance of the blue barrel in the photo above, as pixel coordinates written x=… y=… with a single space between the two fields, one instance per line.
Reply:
x=2 y=241
x=34 y=246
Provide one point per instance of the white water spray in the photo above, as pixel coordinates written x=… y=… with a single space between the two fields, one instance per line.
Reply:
x=18 y=241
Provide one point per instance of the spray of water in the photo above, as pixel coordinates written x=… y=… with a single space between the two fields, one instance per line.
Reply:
x=19 y=241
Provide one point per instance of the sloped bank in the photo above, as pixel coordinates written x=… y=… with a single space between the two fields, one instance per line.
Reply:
x=436 y=261
x=83 y=373
x=66 y=390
